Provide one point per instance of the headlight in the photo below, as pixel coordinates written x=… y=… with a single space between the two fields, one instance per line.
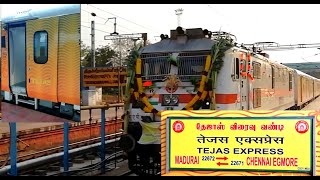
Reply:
x=175 y=100
x=170 y=100
x=167 y=99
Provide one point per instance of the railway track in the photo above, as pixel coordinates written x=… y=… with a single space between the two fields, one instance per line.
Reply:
x=40 y=144
x=83 y=155
x=127 y=173
x=43 y=139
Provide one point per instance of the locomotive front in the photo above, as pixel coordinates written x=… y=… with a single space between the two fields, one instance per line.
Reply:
x=168 y=75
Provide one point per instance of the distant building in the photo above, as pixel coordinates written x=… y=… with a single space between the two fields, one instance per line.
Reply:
x=311 y=68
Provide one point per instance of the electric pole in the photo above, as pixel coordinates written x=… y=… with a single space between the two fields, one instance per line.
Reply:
x=93 y=42
x=93 y=56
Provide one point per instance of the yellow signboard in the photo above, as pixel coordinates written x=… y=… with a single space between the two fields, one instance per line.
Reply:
x=104 y=77
x=201 y=141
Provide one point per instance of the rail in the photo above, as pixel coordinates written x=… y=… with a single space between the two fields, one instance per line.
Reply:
x=60 y=148
x=54 y=154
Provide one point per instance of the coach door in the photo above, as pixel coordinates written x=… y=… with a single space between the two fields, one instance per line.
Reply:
x=4 y=61
x=17 y=58
x=42 y=52
x=244 y=80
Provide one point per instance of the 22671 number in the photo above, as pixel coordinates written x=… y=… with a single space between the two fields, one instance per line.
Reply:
x=236 y=163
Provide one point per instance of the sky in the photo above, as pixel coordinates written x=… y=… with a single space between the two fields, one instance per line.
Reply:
x=281 y=23
x=284 y=24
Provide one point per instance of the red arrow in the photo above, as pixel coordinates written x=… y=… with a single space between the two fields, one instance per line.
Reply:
x=220 y=163
x=224 y=158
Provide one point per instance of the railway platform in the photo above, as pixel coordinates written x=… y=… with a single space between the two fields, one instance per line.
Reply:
x=23 y=115
x=15 y=113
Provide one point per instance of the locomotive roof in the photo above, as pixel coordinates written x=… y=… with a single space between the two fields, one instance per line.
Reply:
x=168 y=45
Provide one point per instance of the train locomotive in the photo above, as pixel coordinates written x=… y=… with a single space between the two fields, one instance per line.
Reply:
x=40 y=64
x=174 y=74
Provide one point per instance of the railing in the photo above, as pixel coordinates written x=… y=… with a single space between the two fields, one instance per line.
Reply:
x=156 y=66
x=102 y=132
x=191 y=66
x=13 y=171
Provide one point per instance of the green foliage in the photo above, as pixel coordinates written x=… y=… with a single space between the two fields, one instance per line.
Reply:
x=102 y=56
x=217 y=52
x=194 y=81
x=131 y=60
x=84 y=50
x=173 y=60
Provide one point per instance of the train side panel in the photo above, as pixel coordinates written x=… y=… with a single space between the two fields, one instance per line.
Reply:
x=304 y=89
x=228 y=88
x=284 y=95
x=307 y=89
x=42 y=72
x=298 y=89
x=272 y=91
x=4 y=62
x=69 y=59
x=316 y=88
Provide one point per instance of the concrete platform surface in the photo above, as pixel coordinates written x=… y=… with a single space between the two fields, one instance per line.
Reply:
x=14 y=113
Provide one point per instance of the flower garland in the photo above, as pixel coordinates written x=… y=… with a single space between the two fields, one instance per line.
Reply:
x=138 y=91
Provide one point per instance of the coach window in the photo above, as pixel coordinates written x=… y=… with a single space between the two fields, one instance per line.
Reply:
x=256 y=97
x=256 y=70
x=40 y=46
x=236 y=71
x=273 y=74
x=290 y=81
x=3 y=42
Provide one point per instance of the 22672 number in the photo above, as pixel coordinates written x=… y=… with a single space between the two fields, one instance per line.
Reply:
x=208 y=158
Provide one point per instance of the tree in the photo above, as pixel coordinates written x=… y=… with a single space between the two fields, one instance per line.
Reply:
x=108 y=56
x=123 y=48
x=84 y=49
x=103 y=55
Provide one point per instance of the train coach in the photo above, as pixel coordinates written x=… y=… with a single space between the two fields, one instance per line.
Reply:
x=174 y=74
x=40 y=64
x=316 y=86
x=305 y=89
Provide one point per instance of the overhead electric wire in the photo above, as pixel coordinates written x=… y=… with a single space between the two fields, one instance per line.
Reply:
x=96 y=29
x=118 y=25
x=123 y=18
